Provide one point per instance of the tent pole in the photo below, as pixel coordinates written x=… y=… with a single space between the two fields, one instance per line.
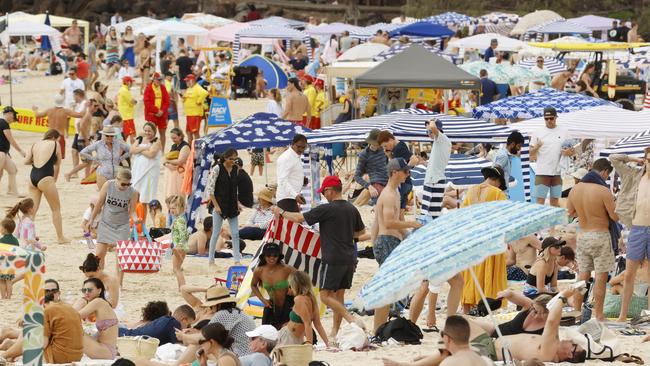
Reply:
x=506 y=346
x=11 y=84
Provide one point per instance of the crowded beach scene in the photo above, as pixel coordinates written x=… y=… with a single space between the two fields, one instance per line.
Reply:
x=304 y=184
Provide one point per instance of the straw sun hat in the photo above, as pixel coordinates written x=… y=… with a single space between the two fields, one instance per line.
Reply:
x=217 y=295
x=266 y=194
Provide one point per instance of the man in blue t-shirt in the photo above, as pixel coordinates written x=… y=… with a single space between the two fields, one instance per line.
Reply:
x=490 y=51
x=489 y=91
x=164 y=328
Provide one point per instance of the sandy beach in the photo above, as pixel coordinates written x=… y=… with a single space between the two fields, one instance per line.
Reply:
x=62 y=261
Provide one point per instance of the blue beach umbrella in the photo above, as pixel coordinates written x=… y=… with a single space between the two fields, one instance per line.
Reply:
x=46 y=45
x=453 y=243
x=275 y=77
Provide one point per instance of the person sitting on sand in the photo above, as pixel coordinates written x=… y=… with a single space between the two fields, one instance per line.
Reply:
x=530 y=320
x=91 y=269
x=272 y=275
x=198 y=241
x=542 y=277
x=641 y=280
x=304 y=318
x=456 y=350
x=263 y=340
x=163 y=327
x=104 y=346
x=203 y=313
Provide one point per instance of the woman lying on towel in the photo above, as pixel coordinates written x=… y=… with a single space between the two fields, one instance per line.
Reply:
x=98 y=309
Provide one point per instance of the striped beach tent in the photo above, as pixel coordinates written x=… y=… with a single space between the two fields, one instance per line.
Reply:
x=450 y=18
x=277 y=21
x=553 y=65
x=364 y=33
x=631 y=145
x=269 y=32
x=462 y=171
x=646 y=102
x=531 y=105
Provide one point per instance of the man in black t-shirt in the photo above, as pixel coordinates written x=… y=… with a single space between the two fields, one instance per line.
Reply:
x=340 y=223
x=184 y=64
x=612 y=34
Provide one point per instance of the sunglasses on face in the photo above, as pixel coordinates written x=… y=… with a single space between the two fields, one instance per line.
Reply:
x=549 y=118
x=202 y=341
x=51 y=290
x=87 y=290
x=125 y=184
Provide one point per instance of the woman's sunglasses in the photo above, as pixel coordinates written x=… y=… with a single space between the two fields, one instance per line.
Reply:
x=125 y=184
x=87 y=290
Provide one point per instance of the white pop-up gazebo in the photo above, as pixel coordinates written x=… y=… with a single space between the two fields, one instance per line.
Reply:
x=172 y=28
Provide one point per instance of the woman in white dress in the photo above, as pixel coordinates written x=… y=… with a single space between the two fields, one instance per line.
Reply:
x=146 y=153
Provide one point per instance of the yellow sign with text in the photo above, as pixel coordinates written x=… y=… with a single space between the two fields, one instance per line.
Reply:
x=27 y=121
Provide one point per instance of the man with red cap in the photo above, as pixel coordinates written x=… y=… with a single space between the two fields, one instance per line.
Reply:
x=126 y=106
x=309 y=91
x=156 y=105
x=340 y=223
x=193 y=100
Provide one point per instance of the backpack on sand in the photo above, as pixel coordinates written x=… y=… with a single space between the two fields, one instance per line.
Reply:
x=401 y=330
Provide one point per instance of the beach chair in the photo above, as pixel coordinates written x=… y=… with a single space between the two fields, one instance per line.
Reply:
x=254 y=307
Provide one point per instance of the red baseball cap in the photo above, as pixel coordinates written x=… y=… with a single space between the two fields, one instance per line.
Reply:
x=157 y=76
x=127 y=79
x=190 y=77
x=319 y=83
x=329 y=182
x=308 y=78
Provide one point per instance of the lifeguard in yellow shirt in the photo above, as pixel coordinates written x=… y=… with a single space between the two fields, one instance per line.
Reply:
x=126 y=106
x=193 y=100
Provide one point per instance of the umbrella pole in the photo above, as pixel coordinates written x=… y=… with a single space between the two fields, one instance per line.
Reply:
x=506 y=354
x=266 y=169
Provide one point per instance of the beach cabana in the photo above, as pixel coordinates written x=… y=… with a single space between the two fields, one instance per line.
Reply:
x=531 y=105
x=275 y=77
x=534 y=19
x=362 y=52
x=260 y=130
x=171 y=28
x=277 y=21
x=207 y=21
x=482 y=42
x=135 y=23
x=15 y=260
x=633 y=145
x=423 y=69
x=595 y=123
x=248 y=35
x=424 y=29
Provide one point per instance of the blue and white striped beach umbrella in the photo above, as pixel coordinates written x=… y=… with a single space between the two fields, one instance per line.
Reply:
x=462 y=171
x=632 y=145
x=531 y=105
x=453 y=243
x=553 y=65
x=450 y=18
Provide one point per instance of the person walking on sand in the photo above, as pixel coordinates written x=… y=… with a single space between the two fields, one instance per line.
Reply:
x=290 y=175
x=593 y=204
x=109 y=152
x=297 y=104
x=117 y=201
x=45 y=159
x=58 y=118
x=633 y=208
x=6 y=142
x=388 y=230
x=340 y=222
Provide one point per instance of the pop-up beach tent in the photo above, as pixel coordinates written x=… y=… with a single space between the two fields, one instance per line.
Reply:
x=136 y=24
x=275 y=77
x=424 y=29
x=418 y=67
x=172 y=28
x=248 y=35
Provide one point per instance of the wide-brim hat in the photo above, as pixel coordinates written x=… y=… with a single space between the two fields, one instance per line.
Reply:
x=266 y=194
x=217 y=295
x=495 y=172
x=108 y=131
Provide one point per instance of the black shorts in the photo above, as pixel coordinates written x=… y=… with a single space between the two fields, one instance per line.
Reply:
x=78 y=143
x=75 y=48
x=335 y=277
x=289 y=205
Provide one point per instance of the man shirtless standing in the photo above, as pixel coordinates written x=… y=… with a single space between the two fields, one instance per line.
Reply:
x=388 y=231
x=633 y=207
x=297 y=104
x=593 y=203
x=58 y=118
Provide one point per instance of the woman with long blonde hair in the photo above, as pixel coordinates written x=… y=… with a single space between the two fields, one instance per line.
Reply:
x=305 y=317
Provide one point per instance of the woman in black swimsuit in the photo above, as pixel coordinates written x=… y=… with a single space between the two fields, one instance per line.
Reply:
x=45 y=159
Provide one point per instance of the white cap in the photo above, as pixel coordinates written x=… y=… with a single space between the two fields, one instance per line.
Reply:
x=265 y=331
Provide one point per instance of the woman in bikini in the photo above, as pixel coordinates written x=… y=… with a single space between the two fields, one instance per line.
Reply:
x=45 y=159
x=304 y=318
x=272 y=275
x=97 y=307
x=91 y=269
x=542 y=277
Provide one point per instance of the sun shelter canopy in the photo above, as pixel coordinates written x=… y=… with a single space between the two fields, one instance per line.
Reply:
x=633 y=145
x=416 y=67
x=606 y=122
x=531 y=105
x=399 y=47
x=277 y=21
x=560 y=27
x=269 y=32
x=362 y=52
x=371 y=30
x=173 y=28
x=551 y=64
x=228 y=32
x=28 y=29
x=332 y=28
x=274 y=76
x=136 y=24
x=594 y=22
x=349 y=69
x=207 y=21
x=422 y=29
x=462 y=171
x=482 y=42
x=534 y=19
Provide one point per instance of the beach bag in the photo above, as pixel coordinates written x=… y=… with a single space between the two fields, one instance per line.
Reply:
x=137 y=347
x=351 y=336
x=401 y=330
x=139 y=255
x=293 y=355
x=612 y=306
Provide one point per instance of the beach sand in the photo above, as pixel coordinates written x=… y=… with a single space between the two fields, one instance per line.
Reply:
x=62 y=261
